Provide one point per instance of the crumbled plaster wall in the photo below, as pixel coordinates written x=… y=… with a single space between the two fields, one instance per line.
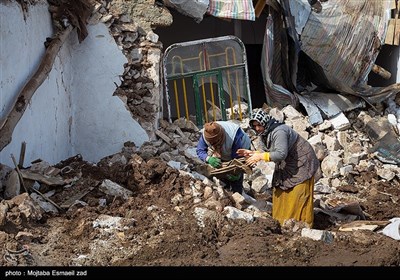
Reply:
x=131 y=23
x=44 y=125
x=74 y=110
x=101 y=121
x=143 y=12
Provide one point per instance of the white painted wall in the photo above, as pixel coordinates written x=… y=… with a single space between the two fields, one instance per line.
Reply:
x=101 y=122
x=73 y=111
x=398 y=72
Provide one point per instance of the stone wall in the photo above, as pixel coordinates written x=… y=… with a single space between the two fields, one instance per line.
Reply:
x=131 y=23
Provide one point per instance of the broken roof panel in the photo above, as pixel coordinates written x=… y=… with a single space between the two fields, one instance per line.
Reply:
x=344 y=39
x=331 y=51
x=334 y=104
x=312 y=110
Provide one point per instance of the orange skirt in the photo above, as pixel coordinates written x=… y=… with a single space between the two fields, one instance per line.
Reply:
x=296 y=203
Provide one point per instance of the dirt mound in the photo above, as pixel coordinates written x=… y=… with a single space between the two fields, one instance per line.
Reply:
x=155 y=228
x=150 y=207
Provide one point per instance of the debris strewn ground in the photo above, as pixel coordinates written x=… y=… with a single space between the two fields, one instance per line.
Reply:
x=154 y=206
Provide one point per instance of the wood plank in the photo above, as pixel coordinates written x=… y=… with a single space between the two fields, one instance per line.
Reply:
x=359 y=227
x=51 y=181
x=366 y=225
x=396 y=40
x=163 y=137
x=32 y=189
x=390 y=32
x=22 y=155
x=70 y=201
x=392 y=5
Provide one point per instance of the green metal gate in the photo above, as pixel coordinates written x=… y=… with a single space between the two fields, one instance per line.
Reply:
x=206 y=80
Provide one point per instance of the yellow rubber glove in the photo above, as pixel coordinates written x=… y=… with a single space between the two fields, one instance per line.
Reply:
x=265 y=156
x=256 y=157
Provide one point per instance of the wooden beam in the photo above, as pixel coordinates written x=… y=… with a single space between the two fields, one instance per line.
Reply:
x=50 y=181
x=390 y=32
x=11 y=119
x=22 y=155
x=396 y=39
x=21 y=178
x=163 y=137
x=381 y=72
x=396 y=35
x=392 y=5
x=259 y=7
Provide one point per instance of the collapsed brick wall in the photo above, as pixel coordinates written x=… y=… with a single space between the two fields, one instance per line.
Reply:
x=131 y=24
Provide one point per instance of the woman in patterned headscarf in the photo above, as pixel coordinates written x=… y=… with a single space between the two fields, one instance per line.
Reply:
x=295 y=167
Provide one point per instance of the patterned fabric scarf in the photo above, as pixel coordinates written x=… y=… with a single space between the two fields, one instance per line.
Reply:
x=268 y=122
x=237 y=9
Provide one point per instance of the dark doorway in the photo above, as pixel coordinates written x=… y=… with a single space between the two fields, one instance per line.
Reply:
x=257 y=92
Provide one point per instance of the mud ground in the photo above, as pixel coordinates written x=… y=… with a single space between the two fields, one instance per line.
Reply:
x=156 y=232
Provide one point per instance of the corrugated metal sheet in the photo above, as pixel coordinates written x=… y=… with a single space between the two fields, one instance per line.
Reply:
x=334 y=104
x=277 y=95
x=331 y=52
x=344 y=39
x=313 y=112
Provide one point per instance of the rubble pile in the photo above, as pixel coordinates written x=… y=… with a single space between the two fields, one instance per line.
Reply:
x=140 y=83
x=176 y=191
x=158 y=204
